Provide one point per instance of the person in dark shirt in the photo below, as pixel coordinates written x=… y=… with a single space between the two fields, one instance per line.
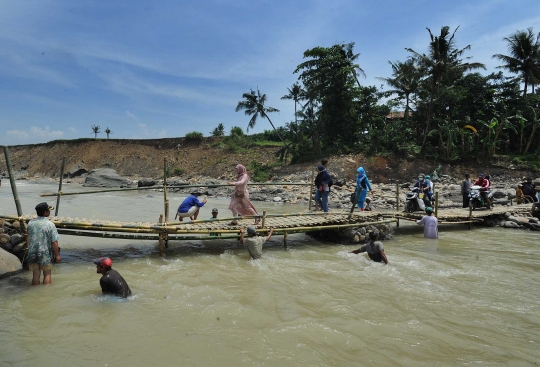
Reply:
x=111 y=282
x=535 y=210
x=529 y=189
x=374 y=248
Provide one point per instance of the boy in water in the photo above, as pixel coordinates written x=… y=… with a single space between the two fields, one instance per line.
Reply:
x=430 y=223
x=374 y=248
x=111 y=282
x=214 y=213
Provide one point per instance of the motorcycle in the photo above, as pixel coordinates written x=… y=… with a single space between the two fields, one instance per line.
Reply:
x=476 y=200
x=416 y=200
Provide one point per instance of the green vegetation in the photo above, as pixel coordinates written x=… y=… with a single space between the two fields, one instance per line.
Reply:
x=218 y=131
x=108 y=131
x=437 y=104
x=95 y=130
x=194 y=136
x=260 y=172
x=178 y=171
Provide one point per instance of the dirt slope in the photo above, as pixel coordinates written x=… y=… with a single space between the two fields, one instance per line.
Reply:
x=144 y=158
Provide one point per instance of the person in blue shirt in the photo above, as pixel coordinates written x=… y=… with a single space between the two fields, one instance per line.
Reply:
x=362 y=187
x=190 y=206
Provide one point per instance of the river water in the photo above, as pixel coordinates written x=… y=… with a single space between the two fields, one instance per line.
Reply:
x=469 y=298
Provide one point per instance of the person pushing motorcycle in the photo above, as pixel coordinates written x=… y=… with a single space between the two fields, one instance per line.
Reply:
x=484 y=190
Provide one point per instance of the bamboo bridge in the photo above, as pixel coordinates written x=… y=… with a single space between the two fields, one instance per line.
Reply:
x=222 y=228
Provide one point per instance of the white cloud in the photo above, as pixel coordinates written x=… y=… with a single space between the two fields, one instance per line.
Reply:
x=34 y=134
x=72 y=130
x=142 y=126
x=131 y=115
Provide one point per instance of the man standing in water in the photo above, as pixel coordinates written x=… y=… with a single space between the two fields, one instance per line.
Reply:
x=111 y=282
x=374 y=248
x=430 y=224
x=42 y=240
x=254 y=243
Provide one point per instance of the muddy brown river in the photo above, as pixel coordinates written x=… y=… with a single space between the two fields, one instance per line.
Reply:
x=471 y=298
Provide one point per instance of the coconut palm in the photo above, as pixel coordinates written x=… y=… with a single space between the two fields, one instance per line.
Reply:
x=351 y=58
x=524 y=58
x=108 y=131
x=442 y=66
x=297 y=94
x=95 y=130
x=405 y=80
x=253 y=105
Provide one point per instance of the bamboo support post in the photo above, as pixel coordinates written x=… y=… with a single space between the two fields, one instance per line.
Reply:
x=263 y=219
x=161 y=245
x=311 y=189
x=60 y=186
x=165 y=206
x=14 y=188
x=436 y=203
x=285 y=240
x=397 y=197
x=470 y=216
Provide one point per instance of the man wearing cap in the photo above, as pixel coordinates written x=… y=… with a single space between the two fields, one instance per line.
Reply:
x=254 y=243
x=42 y=240
x=374 y=248
x=430 y=223
x=111 y=282
x=190 y=206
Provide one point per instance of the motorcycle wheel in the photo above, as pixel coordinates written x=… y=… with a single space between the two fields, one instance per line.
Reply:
x=409 y=207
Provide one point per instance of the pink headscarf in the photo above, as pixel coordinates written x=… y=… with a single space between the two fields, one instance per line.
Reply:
x=242 y=170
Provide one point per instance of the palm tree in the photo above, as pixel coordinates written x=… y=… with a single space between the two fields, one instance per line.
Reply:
x=442 y=65
x=351 y=57
x=253 y=105
x=95 y=130
x=524 y=58
x=107 y=131
x=219 y=130
x=296 y=93
x=405 y=81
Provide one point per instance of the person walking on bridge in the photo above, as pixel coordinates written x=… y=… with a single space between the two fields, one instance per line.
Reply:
x=240 y=204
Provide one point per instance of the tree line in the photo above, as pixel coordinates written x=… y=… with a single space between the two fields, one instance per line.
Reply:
x=437 y=105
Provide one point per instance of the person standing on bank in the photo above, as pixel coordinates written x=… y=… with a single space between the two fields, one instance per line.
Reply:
x=374 y=248
x=430 y=223
x=42 y=240
x=111 y=282
x=466 y=189
x=362 y=187
x=190 y=206
x=254 y=243
x=323 y=182
x=240 y=204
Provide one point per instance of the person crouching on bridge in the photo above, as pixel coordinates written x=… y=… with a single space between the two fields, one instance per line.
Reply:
x=190 y=206
x=430 y=223
x=254 y=243
x=374 y=248
x=111 y=282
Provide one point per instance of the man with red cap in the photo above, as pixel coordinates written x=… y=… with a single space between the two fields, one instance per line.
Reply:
x=111 y=282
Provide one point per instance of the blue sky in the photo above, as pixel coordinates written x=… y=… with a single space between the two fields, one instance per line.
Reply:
x=153 y=69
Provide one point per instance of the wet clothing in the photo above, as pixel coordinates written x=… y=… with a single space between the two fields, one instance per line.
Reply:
x=373 y=250
x=430 y=226
x=41 y=234
x=189 y=203
x=465 y=190
x=362 y=187
x=254 y=245
x=113 y=282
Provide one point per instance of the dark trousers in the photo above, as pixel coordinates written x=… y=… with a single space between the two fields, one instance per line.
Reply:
x=466 y=200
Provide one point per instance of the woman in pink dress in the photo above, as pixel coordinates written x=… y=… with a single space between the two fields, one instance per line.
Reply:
x=240 y=204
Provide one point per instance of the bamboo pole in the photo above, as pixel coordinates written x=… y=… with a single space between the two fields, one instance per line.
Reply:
x=161 y=247
x=60 y=186
x=165 y=205
x=154 y=237
x=172 y=187
x=14 y=188
x=436 y=203
x=397 y=196
x=285 y=237
x=311 y=189
x=470 y=216
x=263 y=219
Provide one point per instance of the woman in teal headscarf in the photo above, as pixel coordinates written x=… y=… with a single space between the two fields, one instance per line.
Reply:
x=362 y=187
